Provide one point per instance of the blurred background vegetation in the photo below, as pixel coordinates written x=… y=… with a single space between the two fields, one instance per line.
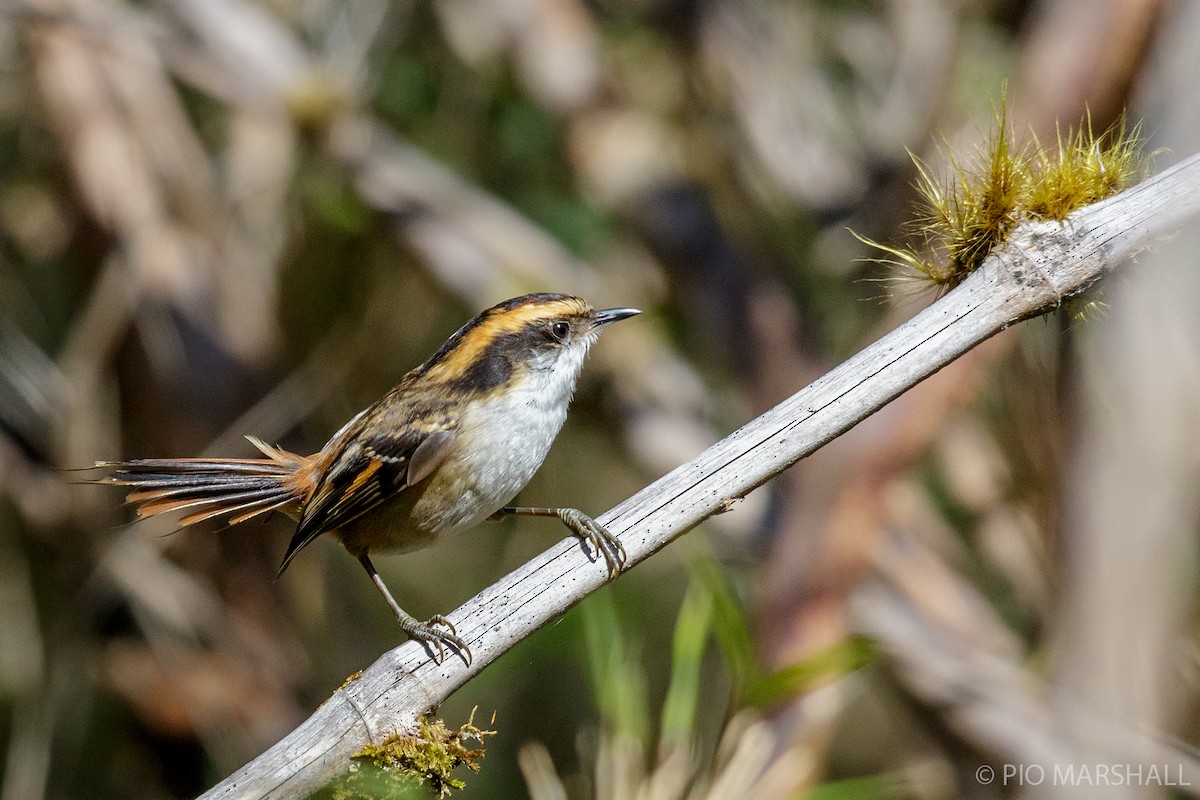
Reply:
x=228 y=217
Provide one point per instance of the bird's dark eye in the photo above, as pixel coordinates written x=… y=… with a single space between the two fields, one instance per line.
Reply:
x=559 y=330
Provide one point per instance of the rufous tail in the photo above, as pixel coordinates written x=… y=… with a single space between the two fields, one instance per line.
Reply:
x=236 y=489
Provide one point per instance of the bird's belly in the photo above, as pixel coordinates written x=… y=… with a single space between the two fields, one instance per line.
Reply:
x=499 y=448
x=390 y=527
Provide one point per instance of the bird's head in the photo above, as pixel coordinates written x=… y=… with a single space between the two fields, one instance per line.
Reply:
x=536 y=340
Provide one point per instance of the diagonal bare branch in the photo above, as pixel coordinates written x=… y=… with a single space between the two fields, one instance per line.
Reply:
x=1042 y=265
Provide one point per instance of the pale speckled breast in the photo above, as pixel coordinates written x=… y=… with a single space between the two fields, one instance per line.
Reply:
x=501 y=443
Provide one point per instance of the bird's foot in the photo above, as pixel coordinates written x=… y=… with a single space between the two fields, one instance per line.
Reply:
x=437 y=632
x=603 y=541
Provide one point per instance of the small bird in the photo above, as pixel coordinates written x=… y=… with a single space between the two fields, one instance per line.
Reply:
x=448 y=447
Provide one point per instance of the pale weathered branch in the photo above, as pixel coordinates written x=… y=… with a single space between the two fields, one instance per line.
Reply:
x=1042 y=265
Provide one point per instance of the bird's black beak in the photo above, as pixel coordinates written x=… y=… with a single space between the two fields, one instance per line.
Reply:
x=607 y=315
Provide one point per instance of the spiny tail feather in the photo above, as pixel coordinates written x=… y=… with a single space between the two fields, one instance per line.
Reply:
x=236 y=488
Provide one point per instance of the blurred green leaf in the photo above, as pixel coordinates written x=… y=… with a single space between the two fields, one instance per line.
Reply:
x=332 y=200
x=617 y=678
x=526 y=136
x=408 y=88
x=737 y=645
x=889 y=786
x=573 y=222
x=729 y=623
x=846 y=656
x=687 y=656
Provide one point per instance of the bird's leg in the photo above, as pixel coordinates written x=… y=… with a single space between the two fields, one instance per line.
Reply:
x=600 y=538
x=427 y=631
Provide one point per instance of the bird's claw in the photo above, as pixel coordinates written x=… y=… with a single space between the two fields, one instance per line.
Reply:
x=430 y=632
x=602 y=541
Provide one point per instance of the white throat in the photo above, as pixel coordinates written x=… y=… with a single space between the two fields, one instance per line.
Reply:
x=511 y=432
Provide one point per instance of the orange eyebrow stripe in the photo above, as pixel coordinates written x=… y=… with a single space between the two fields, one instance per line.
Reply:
x=497 y=324
x=515 y=319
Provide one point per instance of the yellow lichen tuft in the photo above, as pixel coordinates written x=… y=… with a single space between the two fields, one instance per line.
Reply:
x=1083 y=169
x=981 y=208
x=960 y=222
x=402 y=762
x=351 y=679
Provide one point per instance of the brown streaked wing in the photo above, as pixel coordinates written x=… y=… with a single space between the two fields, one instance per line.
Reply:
x=368 y=470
